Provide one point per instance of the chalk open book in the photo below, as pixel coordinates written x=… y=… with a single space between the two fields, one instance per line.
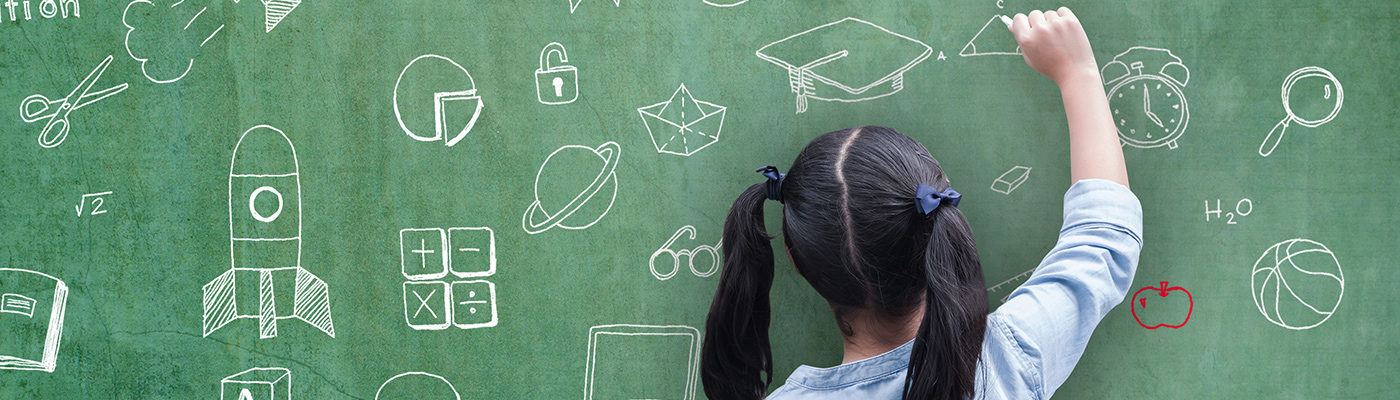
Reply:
x=31 y=319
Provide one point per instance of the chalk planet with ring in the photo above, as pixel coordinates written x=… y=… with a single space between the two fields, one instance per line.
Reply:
x=566 y=185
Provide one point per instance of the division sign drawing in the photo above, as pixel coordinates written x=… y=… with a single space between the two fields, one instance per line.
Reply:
x=275 y=10
x=1011 y=179
x=1328 y=84
x=555 y=84
x=849 y=60
x=257 y=384
x=709 y=256
x=573 y=4
x=1145 y=95
x=1297 y=284
x=427 y=255
x=417 y=386
x=264 y=208
x=32 y=305
x=55 y=112
x=683 y=125
x=435 y=99
x=161 y=37
x=613 y=368
x=574 y=189
x=998 y=42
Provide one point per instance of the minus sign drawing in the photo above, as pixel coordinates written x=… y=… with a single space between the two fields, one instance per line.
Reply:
x=469 y=249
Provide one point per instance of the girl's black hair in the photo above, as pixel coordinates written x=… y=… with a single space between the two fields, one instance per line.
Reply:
x=851 y=228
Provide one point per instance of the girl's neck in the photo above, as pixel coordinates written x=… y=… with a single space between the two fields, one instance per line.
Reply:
x=865 y=334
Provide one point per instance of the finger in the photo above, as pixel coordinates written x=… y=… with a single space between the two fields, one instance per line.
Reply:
x=1020 y=25
x=1037 y=18
x=1065 y=13
x=1051 y=17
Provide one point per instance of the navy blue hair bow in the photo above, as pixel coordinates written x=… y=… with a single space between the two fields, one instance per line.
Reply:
x=927 y=199
x=775 y=182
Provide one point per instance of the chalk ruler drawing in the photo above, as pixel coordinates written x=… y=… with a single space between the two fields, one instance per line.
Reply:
x=1145 y=95
x=849 y=60
x=257 y=384
x=608 y=372
x=155 y=35
x=683 y=125
x=555 y=84
x=429 y=254
x=1242 y=209
x=1301 y=75
x=417 y=386
x=566 y=188
x=55 y=112
x=435 y=99
x=1009 y=285
x=725 y=3
x=96 y=200
x=1011 y=179
x=573 y=4
x=998 y=42
x=264 y=207
x=1297 y=284
x=32 y=306
x=712 y=254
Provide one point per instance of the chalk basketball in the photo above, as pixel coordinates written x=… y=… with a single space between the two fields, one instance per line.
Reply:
x=1297 y=284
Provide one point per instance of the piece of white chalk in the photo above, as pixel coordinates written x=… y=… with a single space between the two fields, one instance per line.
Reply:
x=1007 y=20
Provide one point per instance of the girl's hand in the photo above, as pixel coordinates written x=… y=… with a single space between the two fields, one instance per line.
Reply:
x=1054 y=44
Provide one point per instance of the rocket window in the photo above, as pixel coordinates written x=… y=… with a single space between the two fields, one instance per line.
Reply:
x=253 y=207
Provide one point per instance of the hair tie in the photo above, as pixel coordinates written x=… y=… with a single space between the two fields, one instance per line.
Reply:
x=927 y=199
x=775 y=182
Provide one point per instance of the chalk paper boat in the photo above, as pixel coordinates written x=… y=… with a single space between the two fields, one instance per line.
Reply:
x=846 y=61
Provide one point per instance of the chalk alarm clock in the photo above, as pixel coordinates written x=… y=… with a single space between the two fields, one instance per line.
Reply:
x=1149 y=109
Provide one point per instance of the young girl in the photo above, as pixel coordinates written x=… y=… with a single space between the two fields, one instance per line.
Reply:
x=870 y=221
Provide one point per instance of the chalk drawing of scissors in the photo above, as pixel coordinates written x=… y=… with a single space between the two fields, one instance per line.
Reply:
x=38 y=106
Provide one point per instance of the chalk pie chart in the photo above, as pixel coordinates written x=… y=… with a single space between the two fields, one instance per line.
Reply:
x=435 y=99
x=1297 y=284
x=574 y=189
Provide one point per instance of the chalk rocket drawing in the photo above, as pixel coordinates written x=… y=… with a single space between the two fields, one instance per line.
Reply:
x=264 y=208
x=849 y=60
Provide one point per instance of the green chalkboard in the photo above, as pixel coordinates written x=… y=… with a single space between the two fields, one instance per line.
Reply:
x=523 y=200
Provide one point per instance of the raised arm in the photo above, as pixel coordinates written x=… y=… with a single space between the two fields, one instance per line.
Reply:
x=1054 y=44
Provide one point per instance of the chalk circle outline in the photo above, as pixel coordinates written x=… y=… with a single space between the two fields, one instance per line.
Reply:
x=252 y=208
x=1272 y=273
x=1308 y=72
x=455 y=393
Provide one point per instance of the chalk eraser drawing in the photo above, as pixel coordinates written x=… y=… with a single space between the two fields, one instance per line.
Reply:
x=435 y=99
x=683 y=125
x=1297 y=284
x=997 y=42
x=848 y=60
x=1011 y=179
x=667 y=355
x=257 y=384
x=574 y=189
x=31 y=317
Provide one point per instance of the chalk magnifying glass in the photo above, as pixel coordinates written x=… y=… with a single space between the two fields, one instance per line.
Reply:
x=1309 y=79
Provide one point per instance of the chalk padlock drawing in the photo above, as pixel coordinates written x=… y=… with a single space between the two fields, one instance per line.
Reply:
x=435 y=99
x=683 y=125
x=32 y=305
x=845 y=61
x=574 y=189
x=266 y=281
x=665 y=262
x=1149 y=108
x=556 y=83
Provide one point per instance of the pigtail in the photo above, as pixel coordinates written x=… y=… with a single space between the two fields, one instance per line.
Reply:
x=943 y=364
x=736 y=361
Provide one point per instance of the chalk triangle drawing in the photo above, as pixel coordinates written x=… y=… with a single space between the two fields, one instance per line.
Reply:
x=993 y=43
x=275 y=10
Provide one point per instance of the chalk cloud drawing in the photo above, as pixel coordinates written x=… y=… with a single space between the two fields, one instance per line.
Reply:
x=1329 y=85
x=574 y=189
x=257 y=384
x=709 y=256
x=1011 y=179
x=435 y=99
x=161 y=39
x=1297 y=284
x=683 y=125
x=417 y=386
x=1145 y=95
x=556 y=84
x=573 y=4
x=32 y=306
x=54 y=113
x=611 y=374
x=849 y=60
x=998 y=42
x=264 y=208
x=427 y=255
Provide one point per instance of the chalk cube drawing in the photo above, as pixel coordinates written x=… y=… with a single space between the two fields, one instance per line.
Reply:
x=642 y=362
x=32 y=305
x=426 y=305
x=473 y=304
x=1011 y=179
x=683 y=125
x=257 y=384
x=471 y=252
x=421 y=253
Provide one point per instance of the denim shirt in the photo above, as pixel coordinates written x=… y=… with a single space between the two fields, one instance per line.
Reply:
x=1034 y=340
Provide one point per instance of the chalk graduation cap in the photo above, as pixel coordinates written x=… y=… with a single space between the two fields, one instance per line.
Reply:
x=845 y=61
